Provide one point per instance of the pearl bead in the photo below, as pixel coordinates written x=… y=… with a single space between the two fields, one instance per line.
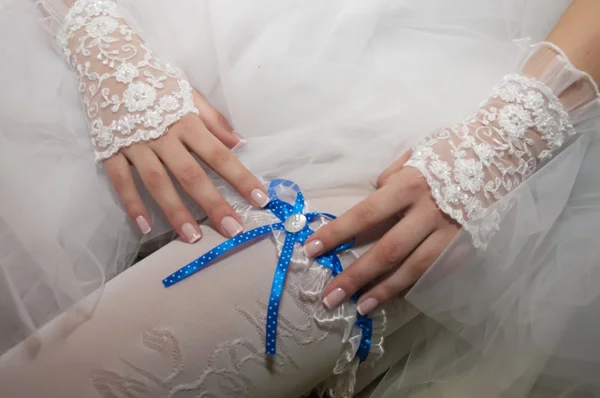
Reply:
x=295 y=223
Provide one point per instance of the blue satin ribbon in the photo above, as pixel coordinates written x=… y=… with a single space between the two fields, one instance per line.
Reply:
x=330 y=260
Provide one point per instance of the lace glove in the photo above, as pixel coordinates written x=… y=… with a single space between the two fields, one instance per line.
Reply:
x=131 y=98
x=529 y=118
x=129 y=94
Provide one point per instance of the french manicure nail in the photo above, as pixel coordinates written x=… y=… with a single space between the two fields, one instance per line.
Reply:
x=367 y=306
x=143 y=224
x=191 y=233
x=313 y=249
x=231 y=226
x=261 y=198
x=241 y=139
x=334 y=298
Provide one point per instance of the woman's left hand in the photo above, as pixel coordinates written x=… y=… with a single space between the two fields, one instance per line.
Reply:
x=402 y=255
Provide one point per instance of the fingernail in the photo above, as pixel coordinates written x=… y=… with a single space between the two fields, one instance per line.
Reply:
x=143 y=224
x=261 y=198
x=367 y=306
x=313 y=249
x=241 y=139
x=334 y=298
x=192 y=233
x=231 y=226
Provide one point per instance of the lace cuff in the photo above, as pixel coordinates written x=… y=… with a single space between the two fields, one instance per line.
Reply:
x=129 y=95
x=528 y=119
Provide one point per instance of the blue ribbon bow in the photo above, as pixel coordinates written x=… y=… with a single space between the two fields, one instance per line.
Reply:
x=296 y=225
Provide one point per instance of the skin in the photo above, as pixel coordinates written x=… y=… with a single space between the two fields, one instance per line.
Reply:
x=210 y=137
x=422 y=231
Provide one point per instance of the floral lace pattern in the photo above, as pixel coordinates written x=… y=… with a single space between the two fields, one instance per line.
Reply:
x=222 y=376
x=471 y=166
x=129 y=95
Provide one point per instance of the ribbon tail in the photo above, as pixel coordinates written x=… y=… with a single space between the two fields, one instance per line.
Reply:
x=276 y=291
x=205 y=260
x=366 y=325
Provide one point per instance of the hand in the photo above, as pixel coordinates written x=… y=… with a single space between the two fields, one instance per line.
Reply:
x=209 y=136
x=403 y=254
x=142 y=110
x=459 y=171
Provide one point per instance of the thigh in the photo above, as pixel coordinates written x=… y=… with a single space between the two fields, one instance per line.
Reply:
x=202 y=337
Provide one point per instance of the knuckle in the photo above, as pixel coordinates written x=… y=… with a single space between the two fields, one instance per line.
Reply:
x=367 y=212
x=191 y=174
x=391 y=253
x=155 y=178
x=353 y=281
x=219 y=157
x=120 y=178
x=220 y=119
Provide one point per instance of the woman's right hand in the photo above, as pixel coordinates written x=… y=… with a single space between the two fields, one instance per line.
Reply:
x=143 y=111
x=207 y=135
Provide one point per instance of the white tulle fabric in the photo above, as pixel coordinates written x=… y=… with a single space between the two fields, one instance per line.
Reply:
x=328 y=107
x=519 y=315
x=526 y=121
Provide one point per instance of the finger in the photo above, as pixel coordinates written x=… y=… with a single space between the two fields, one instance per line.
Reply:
x=378 y=207
x=120 y=175
x=226 y=164
x=216 y=123
x=382 y=258
x=393 y=169
x=160 y=186
x=407 y=274
x=196 y=183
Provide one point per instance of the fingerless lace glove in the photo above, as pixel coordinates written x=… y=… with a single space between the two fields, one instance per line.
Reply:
x=529 y=118
x=129 y=95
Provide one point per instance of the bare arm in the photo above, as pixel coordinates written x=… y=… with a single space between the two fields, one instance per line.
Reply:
x=578 y=35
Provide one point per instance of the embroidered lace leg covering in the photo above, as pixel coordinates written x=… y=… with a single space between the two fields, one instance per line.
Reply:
x=205 y=335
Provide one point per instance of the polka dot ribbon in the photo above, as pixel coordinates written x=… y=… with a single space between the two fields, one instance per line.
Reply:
x=296 y=225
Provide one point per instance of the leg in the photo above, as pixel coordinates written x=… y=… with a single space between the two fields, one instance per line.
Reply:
x=202 y=337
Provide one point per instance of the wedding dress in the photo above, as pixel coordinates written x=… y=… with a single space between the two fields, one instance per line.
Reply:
x=327 y=95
